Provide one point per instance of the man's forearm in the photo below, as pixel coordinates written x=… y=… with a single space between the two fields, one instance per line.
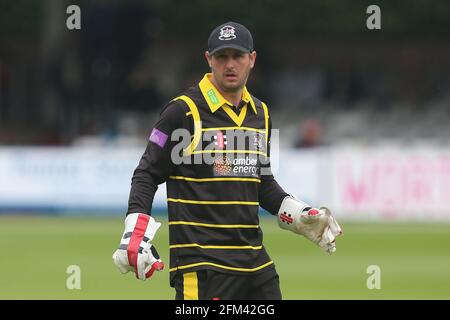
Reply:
x=271 y=194
x=143 y=190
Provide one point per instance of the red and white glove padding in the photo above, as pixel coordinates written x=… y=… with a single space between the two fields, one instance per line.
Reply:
x=135 y=252
x=317 y=225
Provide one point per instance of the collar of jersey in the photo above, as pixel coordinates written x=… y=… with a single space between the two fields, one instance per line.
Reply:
x=215 y=100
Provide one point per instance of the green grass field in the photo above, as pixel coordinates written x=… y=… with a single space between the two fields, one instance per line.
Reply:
x=36 y=251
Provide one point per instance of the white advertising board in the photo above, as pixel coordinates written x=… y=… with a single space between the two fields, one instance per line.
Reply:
x=356 y=183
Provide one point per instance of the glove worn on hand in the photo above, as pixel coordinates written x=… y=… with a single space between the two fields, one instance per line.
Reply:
x=135 y=252
x=319 y=226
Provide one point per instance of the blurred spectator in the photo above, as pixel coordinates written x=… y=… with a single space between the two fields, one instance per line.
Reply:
x=4 y=84
x=57 y=84
x=304 y=86
x=136 y=27
x=98 y=54
x=309 y=134
x=114 y=38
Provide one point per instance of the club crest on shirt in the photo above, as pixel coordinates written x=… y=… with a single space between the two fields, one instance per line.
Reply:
x=227 y=33
x=237 y=166
x=222 y=166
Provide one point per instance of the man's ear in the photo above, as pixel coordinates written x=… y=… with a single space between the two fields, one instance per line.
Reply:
x=252 y=59
x=208 y=59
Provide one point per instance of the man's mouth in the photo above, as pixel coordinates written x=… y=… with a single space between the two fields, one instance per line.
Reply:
x=230 y=76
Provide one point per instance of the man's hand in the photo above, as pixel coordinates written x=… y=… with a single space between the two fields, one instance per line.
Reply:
x=317 y=225
x=135 y=252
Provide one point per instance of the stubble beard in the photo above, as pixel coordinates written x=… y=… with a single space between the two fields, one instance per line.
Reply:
x=235 y=87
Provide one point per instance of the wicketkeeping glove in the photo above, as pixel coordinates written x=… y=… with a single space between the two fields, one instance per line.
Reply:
x=135 y=252
x=317 y=225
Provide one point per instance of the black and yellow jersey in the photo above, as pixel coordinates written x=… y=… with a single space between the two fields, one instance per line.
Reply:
x=216 y=180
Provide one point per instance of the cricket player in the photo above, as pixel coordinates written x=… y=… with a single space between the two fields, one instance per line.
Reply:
x=211 y=145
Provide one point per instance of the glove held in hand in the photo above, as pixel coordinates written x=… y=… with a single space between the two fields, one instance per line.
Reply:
x=319 y=226
x=135 y=252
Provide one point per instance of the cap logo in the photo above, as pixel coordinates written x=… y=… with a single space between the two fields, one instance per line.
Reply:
x=227 y=33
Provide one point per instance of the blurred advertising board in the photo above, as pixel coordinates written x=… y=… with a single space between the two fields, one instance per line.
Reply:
x=356 y=183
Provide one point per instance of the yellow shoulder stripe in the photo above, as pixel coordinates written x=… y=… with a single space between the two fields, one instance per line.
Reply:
x=197 y=124
x=266 y=118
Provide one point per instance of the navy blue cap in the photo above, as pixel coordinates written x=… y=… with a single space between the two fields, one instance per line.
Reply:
x=230 y=35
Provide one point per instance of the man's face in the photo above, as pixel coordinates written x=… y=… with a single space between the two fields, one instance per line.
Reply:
x=231 y=68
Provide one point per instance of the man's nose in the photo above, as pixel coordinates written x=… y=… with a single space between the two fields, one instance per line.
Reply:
x=229 y=64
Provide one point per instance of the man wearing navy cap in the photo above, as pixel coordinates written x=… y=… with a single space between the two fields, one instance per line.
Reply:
x=216 y=182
